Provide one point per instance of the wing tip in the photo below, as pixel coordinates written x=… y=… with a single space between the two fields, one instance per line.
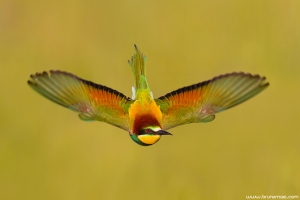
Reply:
x=30 y=82
x=263 y=83
x=262 y=79
x=33 y=77
x=240 y=74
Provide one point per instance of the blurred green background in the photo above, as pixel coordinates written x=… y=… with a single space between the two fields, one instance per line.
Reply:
x=46 y=152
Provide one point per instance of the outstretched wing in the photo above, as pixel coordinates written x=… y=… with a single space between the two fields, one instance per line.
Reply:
x=200 y=102
x=92 y=101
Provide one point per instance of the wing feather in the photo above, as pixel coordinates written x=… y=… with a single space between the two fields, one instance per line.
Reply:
x=201 y=101
x=92 y=101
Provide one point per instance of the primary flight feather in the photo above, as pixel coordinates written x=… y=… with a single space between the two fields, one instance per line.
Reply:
x=145 y=118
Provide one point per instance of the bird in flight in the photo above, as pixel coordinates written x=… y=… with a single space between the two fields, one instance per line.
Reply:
x=144 y=117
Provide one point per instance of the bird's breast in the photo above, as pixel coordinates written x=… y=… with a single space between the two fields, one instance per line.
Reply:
x=144 y=113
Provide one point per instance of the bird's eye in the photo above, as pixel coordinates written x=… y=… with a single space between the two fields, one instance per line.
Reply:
x=148 y=130
x=145 y=131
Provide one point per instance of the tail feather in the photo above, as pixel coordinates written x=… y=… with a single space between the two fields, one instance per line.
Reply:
x=138 y=67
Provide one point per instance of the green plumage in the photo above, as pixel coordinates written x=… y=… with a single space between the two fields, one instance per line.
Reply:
x=138 y=67
x=191 y=104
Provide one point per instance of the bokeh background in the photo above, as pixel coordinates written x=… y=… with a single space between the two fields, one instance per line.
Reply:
x=46 y=152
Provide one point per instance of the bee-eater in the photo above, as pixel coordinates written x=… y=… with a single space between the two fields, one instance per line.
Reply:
x=145 y=118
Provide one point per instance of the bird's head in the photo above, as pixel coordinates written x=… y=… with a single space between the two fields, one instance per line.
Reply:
x=148 y=135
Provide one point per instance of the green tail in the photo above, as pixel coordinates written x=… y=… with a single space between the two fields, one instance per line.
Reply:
x=138 y=67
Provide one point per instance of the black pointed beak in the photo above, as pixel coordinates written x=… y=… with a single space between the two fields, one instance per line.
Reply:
x=162 y=132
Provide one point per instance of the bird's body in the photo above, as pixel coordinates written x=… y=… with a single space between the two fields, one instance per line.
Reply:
x=145 y=118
